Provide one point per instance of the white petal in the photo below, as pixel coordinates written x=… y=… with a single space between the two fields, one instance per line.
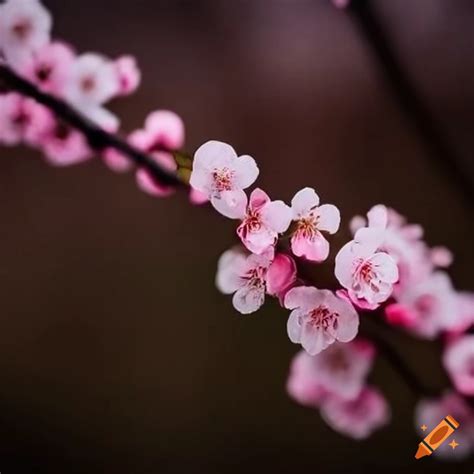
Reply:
x=377 y=216
x=329 y=218
x=276 y=215
x=231 y=204
x=247 y=300
x=214 y=154
x=246 y=171
x=293 y=326
x=303 y=202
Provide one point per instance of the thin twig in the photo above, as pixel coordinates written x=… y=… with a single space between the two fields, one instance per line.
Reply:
x=409 y=99
x=97 y=138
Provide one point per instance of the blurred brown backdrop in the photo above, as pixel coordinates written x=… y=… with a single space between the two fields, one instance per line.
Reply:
x=117 y=353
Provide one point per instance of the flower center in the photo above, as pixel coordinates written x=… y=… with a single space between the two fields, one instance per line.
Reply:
x=21 y=119
x=337 y=361
x=87 y=83
x=425 y=305
x=43 y=72
x=22 y=29
x=307 y=226
x=253 y=222
x=256 y=277
x=223 y=179
x=62 y=131
x=323 y=317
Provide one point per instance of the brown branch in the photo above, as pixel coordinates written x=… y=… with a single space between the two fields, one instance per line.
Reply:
x=97 y=138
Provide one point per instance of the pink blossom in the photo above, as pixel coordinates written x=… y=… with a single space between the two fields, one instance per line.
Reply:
x=429 y=412
x=341 y=3
x=25 y=26
x=319 y=318
x=22 y=120
x=129 y=76
x=64 y=146
x=357 y=418
x=366 y=273
x=163 y=130
x=222 y=176
x=441 y=256
x=148 y=184
x=311 y=218
x=402 y=241
x=262 y=221
x=116 y=161
x=458 y=360
x=93 y=81
x=245 y=277
x=281 y=276
x=340 y=371
x=49 y=67
x=426 y=308
x=464 y=314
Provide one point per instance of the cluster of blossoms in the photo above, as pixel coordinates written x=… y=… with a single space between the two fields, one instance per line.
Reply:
x=387 y=262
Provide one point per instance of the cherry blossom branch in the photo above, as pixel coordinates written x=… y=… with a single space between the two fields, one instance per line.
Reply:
x=408 y=98
x=97 y=138
x=100 y=139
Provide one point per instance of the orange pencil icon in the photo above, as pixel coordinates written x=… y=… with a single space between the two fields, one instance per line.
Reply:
x=437 y=437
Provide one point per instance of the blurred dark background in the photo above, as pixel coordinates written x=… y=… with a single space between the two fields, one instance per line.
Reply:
x=117 y=353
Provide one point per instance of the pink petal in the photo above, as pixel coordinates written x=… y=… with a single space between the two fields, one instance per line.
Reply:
x=167 y=128
x=316 y=249
x=246 y=171
x=213 y=154
x=348 y=322
x=231 y=204
x=276 y=215
x=230 y=267
x=257 y=241
x=344 y=265
x=303 y=202
x=369 y=239
x=116 y=161
x=197 y=197
x=329 y=218
x=281 y=274
x=356 y=223
x=258 y=198
x=315 y=340
x=247 y=300
x=385 y=267
x=377 y=216
x=150 y=185
x=129 y=76
x=304 y=297
x=293 y=327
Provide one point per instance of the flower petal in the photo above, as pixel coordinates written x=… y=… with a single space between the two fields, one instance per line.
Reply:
x=315 y=249
x=378 y=216
x=303 y=202
x=248 y=299
x=329 y=218
x=214 y=154
x=276 y=215
x=293 y=326
x=304 y=297
x=231 y=204
x=246 y=171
